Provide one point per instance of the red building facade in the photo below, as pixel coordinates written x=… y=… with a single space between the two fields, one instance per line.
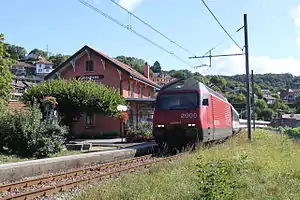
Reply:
x=137 y=88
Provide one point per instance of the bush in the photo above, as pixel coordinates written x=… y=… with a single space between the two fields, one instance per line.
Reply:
x=218 y=179
x=75 y=97
x=142 y=133
x=25 y=133
x=292 y=132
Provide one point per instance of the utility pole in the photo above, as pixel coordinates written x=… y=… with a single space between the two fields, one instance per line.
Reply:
x=246 y=53
x=247 y=76
x=253 y=107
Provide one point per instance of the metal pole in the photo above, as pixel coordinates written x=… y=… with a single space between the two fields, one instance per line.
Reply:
x=253 y=107
x=247 y=76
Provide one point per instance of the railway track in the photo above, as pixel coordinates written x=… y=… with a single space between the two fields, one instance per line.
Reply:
x=49 y=185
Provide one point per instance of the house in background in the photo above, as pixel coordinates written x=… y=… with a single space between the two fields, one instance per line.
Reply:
x=161 y=78
x=269 y=99
x=290 y=120
x=266 y=93
x=290 y=96
x=138 y=89
x=22 y=68
x=43 y=67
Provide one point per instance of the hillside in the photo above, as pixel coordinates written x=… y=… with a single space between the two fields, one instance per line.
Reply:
x=233 y=87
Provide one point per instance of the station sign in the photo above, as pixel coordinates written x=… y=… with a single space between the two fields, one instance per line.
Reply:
x=91 y=77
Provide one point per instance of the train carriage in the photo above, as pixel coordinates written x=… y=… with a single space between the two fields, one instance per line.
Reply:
x=187 y=111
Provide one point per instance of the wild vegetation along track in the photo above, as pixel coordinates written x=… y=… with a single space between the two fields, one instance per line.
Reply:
x=45 y=186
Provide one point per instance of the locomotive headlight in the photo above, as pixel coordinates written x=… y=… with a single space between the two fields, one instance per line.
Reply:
x=191 y=125
x=160 y=126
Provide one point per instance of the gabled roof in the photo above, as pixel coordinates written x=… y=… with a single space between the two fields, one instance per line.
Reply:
x=44 y=62
x=19 y=64
x=123 y=67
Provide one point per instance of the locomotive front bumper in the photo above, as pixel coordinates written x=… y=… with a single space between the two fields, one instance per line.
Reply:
x=187 y=130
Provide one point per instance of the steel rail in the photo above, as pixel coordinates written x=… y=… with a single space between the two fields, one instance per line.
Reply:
x=67 y=174
x=49 y=190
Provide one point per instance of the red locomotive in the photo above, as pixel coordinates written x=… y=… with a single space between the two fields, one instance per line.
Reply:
x=187 y=112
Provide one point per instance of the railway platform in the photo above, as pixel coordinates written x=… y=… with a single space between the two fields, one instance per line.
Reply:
x=19 y=170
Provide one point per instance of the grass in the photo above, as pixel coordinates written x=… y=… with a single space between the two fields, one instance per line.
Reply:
x=272 y=171
x=6 y=158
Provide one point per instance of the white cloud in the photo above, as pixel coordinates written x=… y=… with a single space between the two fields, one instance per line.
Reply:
x=259 y=64
x=130 y=4
x=296 y=16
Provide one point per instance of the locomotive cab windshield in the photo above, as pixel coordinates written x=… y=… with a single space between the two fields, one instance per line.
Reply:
x=177 y=101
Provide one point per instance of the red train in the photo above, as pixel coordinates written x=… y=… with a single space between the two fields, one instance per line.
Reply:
x=187 y=112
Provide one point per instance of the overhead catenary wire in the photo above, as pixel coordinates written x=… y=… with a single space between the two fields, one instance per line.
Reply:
x=221 y=25
x=154 y=29
x=132 y=30
x=221 y=42
x=218 y=44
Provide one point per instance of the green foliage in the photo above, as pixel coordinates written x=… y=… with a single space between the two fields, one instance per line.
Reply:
x=39 y=52
x=16 y=52
x=30 y=71
x=6 y=76
x=297 y=105
x=135 y=63
x=75 y=97
x=257 y=91
x=272 y=172
x=261 y=104
x=156 y=68
x=201 y=78
x=279 y=106
x=179 y=74
x=275 y=95
x=24 y=133
x=220 y=178
x=292 y=132
x=58 y=59
x=218 y=82
x=237 y=100
x=266 y=114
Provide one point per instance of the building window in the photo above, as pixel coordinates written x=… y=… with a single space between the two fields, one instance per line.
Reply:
x=131 y=89
x=141 y=92
x=89 y=119
x=89 y=66
x=149 y=92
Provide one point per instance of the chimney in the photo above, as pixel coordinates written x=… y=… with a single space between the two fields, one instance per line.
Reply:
x=147 y=71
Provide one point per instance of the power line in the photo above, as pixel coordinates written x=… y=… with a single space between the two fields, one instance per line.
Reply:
x=220 y=24
x=133 y=31
x=210 y=50
x=221 y=42
x=147 y=24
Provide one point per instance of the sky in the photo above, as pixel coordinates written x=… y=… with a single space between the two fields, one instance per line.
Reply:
x=66 y=26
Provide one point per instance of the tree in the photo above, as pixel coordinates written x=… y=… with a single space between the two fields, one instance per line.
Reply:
x=261 y=104
x=275 y=95
x=136 y=63
x=156 y=68
x=75 y=97
x=16 y=52
x=39 y=52
x=58 y=59
x=218 y=81
x=258 y=92
x=297 y=105
x=267 y=114
x=179 y=75
x=6 y=76
x=279 y=107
